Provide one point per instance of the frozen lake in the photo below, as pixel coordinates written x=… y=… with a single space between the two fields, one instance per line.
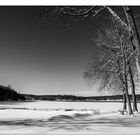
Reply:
x=47 y=117
x=56 y=105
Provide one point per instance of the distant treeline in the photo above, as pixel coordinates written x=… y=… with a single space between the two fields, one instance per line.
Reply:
x=9 y=94
x=76 y=98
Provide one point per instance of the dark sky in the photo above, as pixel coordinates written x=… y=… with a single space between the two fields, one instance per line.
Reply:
x=39 y=59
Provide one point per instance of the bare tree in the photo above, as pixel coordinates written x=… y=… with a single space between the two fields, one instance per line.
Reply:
x=112 y=66
x=69 y=15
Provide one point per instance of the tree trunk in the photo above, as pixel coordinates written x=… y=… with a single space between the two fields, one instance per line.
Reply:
x=134 y=36
x=127 y=97
x=125 y=78
x=135 y=109
x=123 y=83
x=124 y=102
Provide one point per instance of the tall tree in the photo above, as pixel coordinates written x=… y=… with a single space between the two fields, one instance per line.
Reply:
x=69 y=15
x=111 y=66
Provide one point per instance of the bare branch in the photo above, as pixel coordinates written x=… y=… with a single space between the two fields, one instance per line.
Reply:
x=118 y=18
x=82 y=13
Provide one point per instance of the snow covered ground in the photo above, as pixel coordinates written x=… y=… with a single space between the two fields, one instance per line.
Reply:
x=45 y=117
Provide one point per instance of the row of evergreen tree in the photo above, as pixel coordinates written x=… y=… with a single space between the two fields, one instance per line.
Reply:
x=7 y=93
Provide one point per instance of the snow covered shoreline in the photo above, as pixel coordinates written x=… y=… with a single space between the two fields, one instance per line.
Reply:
x=90 y=118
